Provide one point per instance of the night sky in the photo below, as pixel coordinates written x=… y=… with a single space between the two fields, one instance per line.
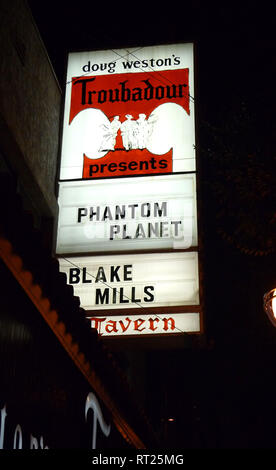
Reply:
x=221 y=394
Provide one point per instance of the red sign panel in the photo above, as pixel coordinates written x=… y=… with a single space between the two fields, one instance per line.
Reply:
x=127 y=109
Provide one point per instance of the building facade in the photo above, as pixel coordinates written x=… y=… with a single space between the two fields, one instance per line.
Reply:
x=60 y=386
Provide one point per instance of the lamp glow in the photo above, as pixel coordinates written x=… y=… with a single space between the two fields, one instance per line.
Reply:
x=270 y=305
x=273 y=305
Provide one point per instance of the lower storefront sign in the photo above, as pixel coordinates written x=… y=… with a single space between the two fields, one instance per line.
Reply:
x=17 y=438
x=125 y=325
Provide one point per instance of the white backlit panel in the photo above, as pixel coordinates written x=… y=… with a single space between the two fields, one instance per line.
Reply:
x=133 y=281
x=127 y=214
x=129 y=112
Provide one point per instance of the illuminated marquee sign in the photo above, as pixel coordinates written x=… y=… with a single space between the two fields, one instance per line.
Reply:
x=128 y=185
x=128 y=113
x=133 y=281
x=141 y=213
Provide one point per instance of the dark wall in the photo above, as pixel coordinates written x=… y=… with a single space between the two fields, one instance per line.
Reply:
x=30 y=100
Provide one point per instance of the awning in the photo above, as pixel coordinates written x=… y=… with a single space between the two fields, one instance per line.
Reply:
x=37 y=271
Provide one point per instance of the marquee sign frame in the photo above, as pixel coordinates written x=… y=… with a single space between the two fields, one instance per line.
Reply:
x=129 y=123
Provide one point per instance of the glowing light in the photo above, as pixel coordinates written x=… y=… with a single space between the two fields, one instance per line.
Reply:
x=270 y=305
x=273 y=304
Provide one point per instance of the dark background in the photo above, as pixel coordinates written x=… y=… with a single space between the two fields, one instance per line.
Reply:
x=221 y=394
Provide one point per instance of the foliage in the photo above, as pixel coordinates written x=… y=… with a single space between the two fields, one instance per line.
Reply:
x=238 y=153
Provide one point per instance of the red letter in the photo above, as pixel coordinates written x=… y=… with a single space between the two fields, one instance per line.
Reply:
x=124 y=328
x=152 y=320
x=138 y=323
x=111 y=327
x=98 y=321
x=166 y=321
